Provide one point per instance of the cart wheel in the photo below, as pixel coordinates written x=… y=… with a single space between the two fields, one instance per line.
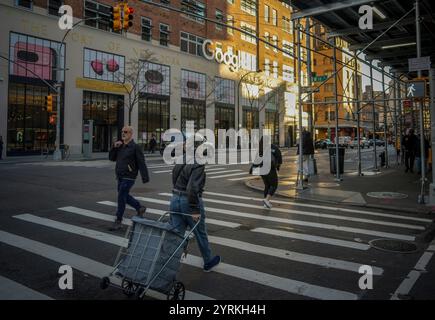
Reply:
x=177 y=291
x=104 y=284
x=129 y=288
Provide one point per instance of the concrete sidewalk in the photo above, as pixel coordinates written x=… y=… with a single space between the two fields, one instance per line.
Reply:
x=399 y=190
x=44 y=158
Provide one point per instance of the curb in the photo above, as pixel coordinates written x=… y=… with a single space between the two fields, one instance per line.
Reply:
x=371 y=206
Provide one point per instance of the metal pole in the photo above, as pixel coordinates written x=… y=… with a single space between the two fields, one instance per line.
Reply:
x=358 y=115
x=374 y=117
x=337 y=156
x=399 y=95
x=385 y=120
x=257 y=23
x=57 y=155
x=432 y=115
x=396 y=142
x=423 y=169
x=300 y=184
x=309 y=75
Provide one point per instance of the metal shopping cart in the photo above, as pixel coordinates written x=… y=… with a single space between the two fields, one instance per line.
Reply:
x=151 y=259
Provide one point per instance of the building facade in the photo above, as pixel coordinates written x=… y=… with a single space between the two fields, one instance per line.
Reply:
x=180 y=78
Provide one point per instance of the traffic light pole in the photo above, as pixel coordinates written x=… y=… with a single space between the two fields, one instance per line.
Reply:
x=57 y=155
x=422 y=139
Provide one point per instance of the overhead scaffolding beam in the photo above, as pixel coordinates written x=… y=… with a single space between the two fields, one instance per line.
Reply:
x=329 y=7
x=389 y=42
x=376 y=27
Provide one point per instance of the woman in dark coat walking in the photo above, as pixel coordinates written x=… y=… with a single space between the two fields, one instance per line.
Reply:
x=270 y=179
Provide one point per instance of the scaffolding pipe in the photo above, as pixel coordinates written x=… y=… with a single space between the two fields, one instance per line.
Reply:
x=422 y=144
x=358 y=115
x=337 y=158
x=385 y=123
x=300 y=179
x=375 y=168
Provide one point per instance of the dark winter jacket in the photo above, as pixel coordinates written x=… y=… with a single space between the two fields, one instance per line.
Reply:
x=307 y=144
x=410 y=143
x=276 y=159
x=189 y=179
x=129 y=161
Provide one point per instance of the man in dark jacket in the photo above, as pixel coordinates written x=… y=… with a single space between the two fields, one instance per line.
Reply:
x=410 y=146
x=188 y=180
x=307 y=152
x=129 y=161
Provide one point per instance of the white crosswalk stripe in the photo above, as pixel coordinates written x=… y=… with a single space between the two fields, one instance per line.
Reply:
x=229 y=175
x=149 y=210
x=291 y=286
x=298 y=204
x=313 y=214
x=86 y=265
x=297 y=222
x=11 y=290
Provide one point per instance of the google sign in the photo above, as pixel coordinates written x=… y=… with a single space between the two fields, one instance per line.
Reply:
x=228 y=58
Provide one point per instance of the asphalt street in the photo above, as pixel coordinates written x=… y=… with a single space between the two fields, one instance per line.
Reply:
x=55 y=214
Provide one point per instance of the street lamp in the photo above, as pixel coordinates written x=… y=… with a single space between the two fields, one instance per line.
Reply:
x=57 y=155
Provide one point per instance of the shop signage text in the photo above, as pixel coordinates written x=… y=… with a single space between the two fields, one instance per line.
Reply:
x=228 y=58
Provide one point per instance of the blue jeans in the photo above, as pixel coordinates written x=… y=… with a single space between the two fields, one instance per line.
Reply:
x=180 y=223
x=124 y=186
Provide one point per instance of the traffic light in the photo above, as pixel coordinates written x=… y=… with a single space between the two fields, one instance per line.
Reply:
x=115 y=18
x=49 y=103
x=128 y=17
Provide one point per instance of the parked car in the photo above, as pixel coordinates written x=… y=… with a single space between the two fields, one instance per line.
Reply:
x=364 y=143
x=379 y=143
x=344 y=141
x=322 y=144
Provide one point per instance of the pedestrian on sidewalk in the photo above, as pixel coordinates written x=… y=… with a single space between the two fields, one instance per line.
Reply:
x=1 y=147
x=130 y=160
x=153 y=144
x=270 y=179
x=410 y=145
x=188 y=181
x=307 y=154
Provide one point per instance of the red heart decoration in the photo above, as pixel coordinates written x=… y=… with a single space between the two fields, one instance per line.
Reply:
x=97 y=66
x=112 y=65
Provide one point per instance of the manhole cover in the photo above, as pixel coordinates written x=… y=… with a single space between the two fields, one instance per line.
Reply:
x=387 y=195
x=391 y=245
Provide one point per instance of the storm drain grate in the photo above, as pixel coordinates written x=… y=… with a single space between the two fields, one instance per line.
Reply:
x=391 y=245
x=387 y=195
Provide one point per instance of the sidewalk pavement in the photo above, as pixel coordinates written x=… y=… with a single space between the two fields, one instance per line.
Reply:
x=78 y=157
x=399 y=190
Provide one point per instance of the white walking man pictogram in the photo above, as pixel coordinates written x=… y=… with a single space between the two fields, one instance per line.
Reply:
x=411 y=90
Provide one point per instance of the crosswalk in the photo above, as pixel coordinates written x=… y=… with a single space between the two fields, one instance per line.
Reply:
x=212 y=171
x=272 y=250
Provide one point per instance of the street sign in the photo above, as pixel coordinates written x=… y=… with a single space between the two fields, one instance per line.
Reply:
x=416 y=89
x=419 y=64
x=319 y=78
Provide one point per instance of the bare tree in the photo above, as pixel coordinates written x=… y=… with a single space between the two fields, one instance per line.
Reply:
x=133 y=79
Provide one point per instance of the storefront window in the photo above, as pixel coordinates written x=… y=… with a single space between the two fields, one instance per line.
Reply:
x=106 y=110
x=103 y=66
x=31 y=130
x=153 y=119
x=250 y=118
x=155 y=80
x=272 y=124
x=193 y=110
x=192 y=85
x=34 y=58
